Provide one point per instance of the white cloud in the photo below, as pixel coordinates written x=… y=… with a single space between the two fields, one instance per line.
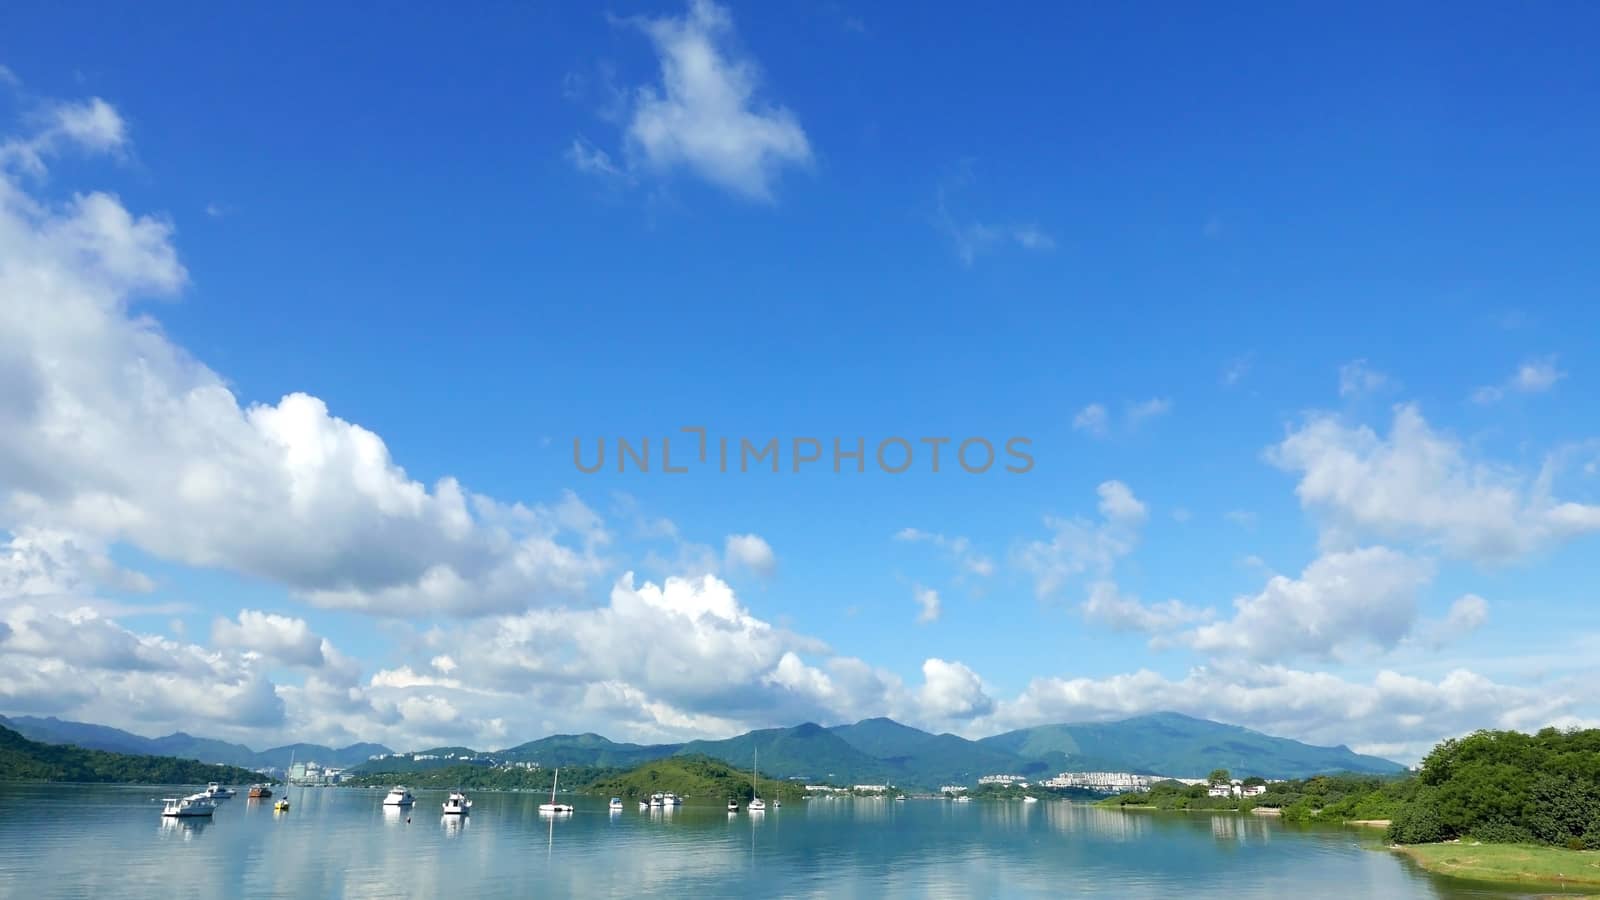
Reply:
x=952 y=691
x=1078 y=546
x=705 y=114
x=92 y=125
x=928 y=609
x=1236 y=370
x=1148 y=409
x=1532 y=377
x=591 y=160
x=1419 y=484
x=971 y=238
x=1342 y=601
x=750 y=551
x=960 y=550
x=1467 y=614
x=1357 y=378
x=111 y=432
x=1108 y=606
x=284 y=638
x=1092 y=419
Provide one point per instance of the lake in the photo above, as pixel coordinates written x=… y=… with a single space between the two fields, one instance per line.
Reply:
x=103 y=841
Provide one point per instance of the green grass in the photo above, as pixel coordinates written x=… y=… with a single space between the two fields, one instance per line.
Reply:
x=1523 y=863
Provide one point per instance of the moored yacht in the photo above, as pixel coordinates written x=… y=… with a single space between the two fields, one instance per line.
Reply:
x=671 y=799
x=217 y=792
x=399 y=796
x=187 y=807
x=457 y=804
x=658 y=799
x=756 y=803
x=616 y=804
x=554 y=807
x=733 y=806
x=259 y=792
x=1030 y=799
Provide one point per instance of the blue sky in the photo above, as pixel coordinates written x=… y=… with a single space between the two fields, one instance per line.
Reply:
x=1294 y=306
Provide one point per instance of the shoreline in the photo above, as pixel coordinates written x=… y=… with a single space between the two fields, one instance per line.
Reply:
x=1506 y=863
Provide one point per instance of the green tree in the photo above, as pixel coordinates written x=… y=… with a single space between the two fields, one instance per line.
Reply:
x=1219 y=776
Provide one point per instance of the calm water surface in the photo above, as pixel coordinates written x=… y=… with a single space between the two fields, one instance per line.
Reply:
x=104 y=841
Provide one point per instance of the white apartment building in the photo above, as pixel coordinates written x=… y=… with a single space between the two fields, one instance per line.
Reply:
x=1102 y=782
x=1003 y=779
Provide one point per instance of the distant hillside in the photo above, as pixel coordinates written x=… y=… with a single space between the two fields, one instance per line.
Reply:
x=804 y=751
x=25 y=760
x=871 y=751
x=1179 y=745
x=51 y=730
x=920 y=759
x=586 y=750
x=699 y=778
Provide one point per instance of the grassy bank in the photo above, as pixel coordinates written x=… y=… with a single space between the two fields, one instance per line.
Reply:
x=1513 y=863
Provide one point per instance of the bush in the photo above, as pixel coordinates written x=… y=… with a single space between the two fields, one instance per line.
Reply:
x=1502 y=833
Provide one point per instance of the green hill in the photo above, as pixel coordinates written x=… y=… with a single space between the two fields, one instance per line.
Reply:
x=1181 y=746
x=920 y=759
x=25 y=760
x=806 y=751
x=50 y=730
x=485 y=778
x=587 y=750
x=698 y=778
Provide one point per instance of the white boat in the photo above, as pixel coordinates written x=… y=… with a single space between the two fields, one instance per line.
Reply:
x=399 y=796
x=616 y=804
x=217 y=792
x=733 y=806
x=644 y=806
x=670 y=799
x=756 y=803
x=188 y=807
x=963 y=799
x=1030 y=799
x=457 y=804
x=658 y=799
x=553 y=807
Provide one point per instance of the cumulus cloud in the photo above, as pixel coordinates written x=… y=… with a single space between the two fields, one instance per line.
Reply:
x=92 y=125
x=1341 y=601
x=1079 y=546
x=705 y=115
x=1467 y=614
x=1419 y=484
x=750 y=551
x=111 y=432
x=952 y=691
x=284 y=638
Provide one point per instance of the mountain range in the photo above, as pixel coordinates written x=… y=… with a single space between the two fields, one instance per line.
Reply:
x=51 y=730
x=872 y=751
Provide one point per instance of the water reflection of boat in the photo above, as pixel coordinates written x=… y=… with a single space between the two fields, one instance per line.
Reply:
x=454 y=825
x=185 y=828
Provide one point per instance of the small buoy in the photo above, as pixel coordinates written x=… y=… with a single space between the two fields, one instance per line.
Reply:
x=408 y=820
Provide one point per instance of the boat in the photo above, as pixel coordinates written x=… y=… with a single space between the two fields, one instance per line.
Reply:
x=1030 y=799
x=217 y=792
x=283 y=804
x=733 y=806
x=900 y=799
x=457 y=804
x=963 y=799
x=756 y=803
x=556 y=808
x=644 y=806
x=191 y=806
x=671 y=799
x=658 y=799
x=399 y=796
x=259 y=792
x=616 y=804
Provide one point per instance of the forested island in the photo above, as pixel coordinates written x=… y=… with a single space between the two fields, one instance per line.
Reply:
x=1498 y=805
x=484 y=778
x=25 y=760
x=695 y=777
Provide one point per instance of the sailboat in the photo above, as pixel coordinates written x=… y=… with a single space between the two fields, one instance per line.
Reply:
x=756 y=803
x=553 y=806
x=283 y=802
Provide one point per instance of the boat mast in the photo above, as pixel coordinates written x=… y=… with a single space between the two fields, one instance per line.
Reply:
x=553 y=782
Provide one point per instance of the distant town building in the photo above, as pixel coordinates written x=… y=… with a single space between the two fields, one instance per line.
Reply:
x=871 y=788
x=1003 y=779
x=1102 y=782
x=953 y=789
